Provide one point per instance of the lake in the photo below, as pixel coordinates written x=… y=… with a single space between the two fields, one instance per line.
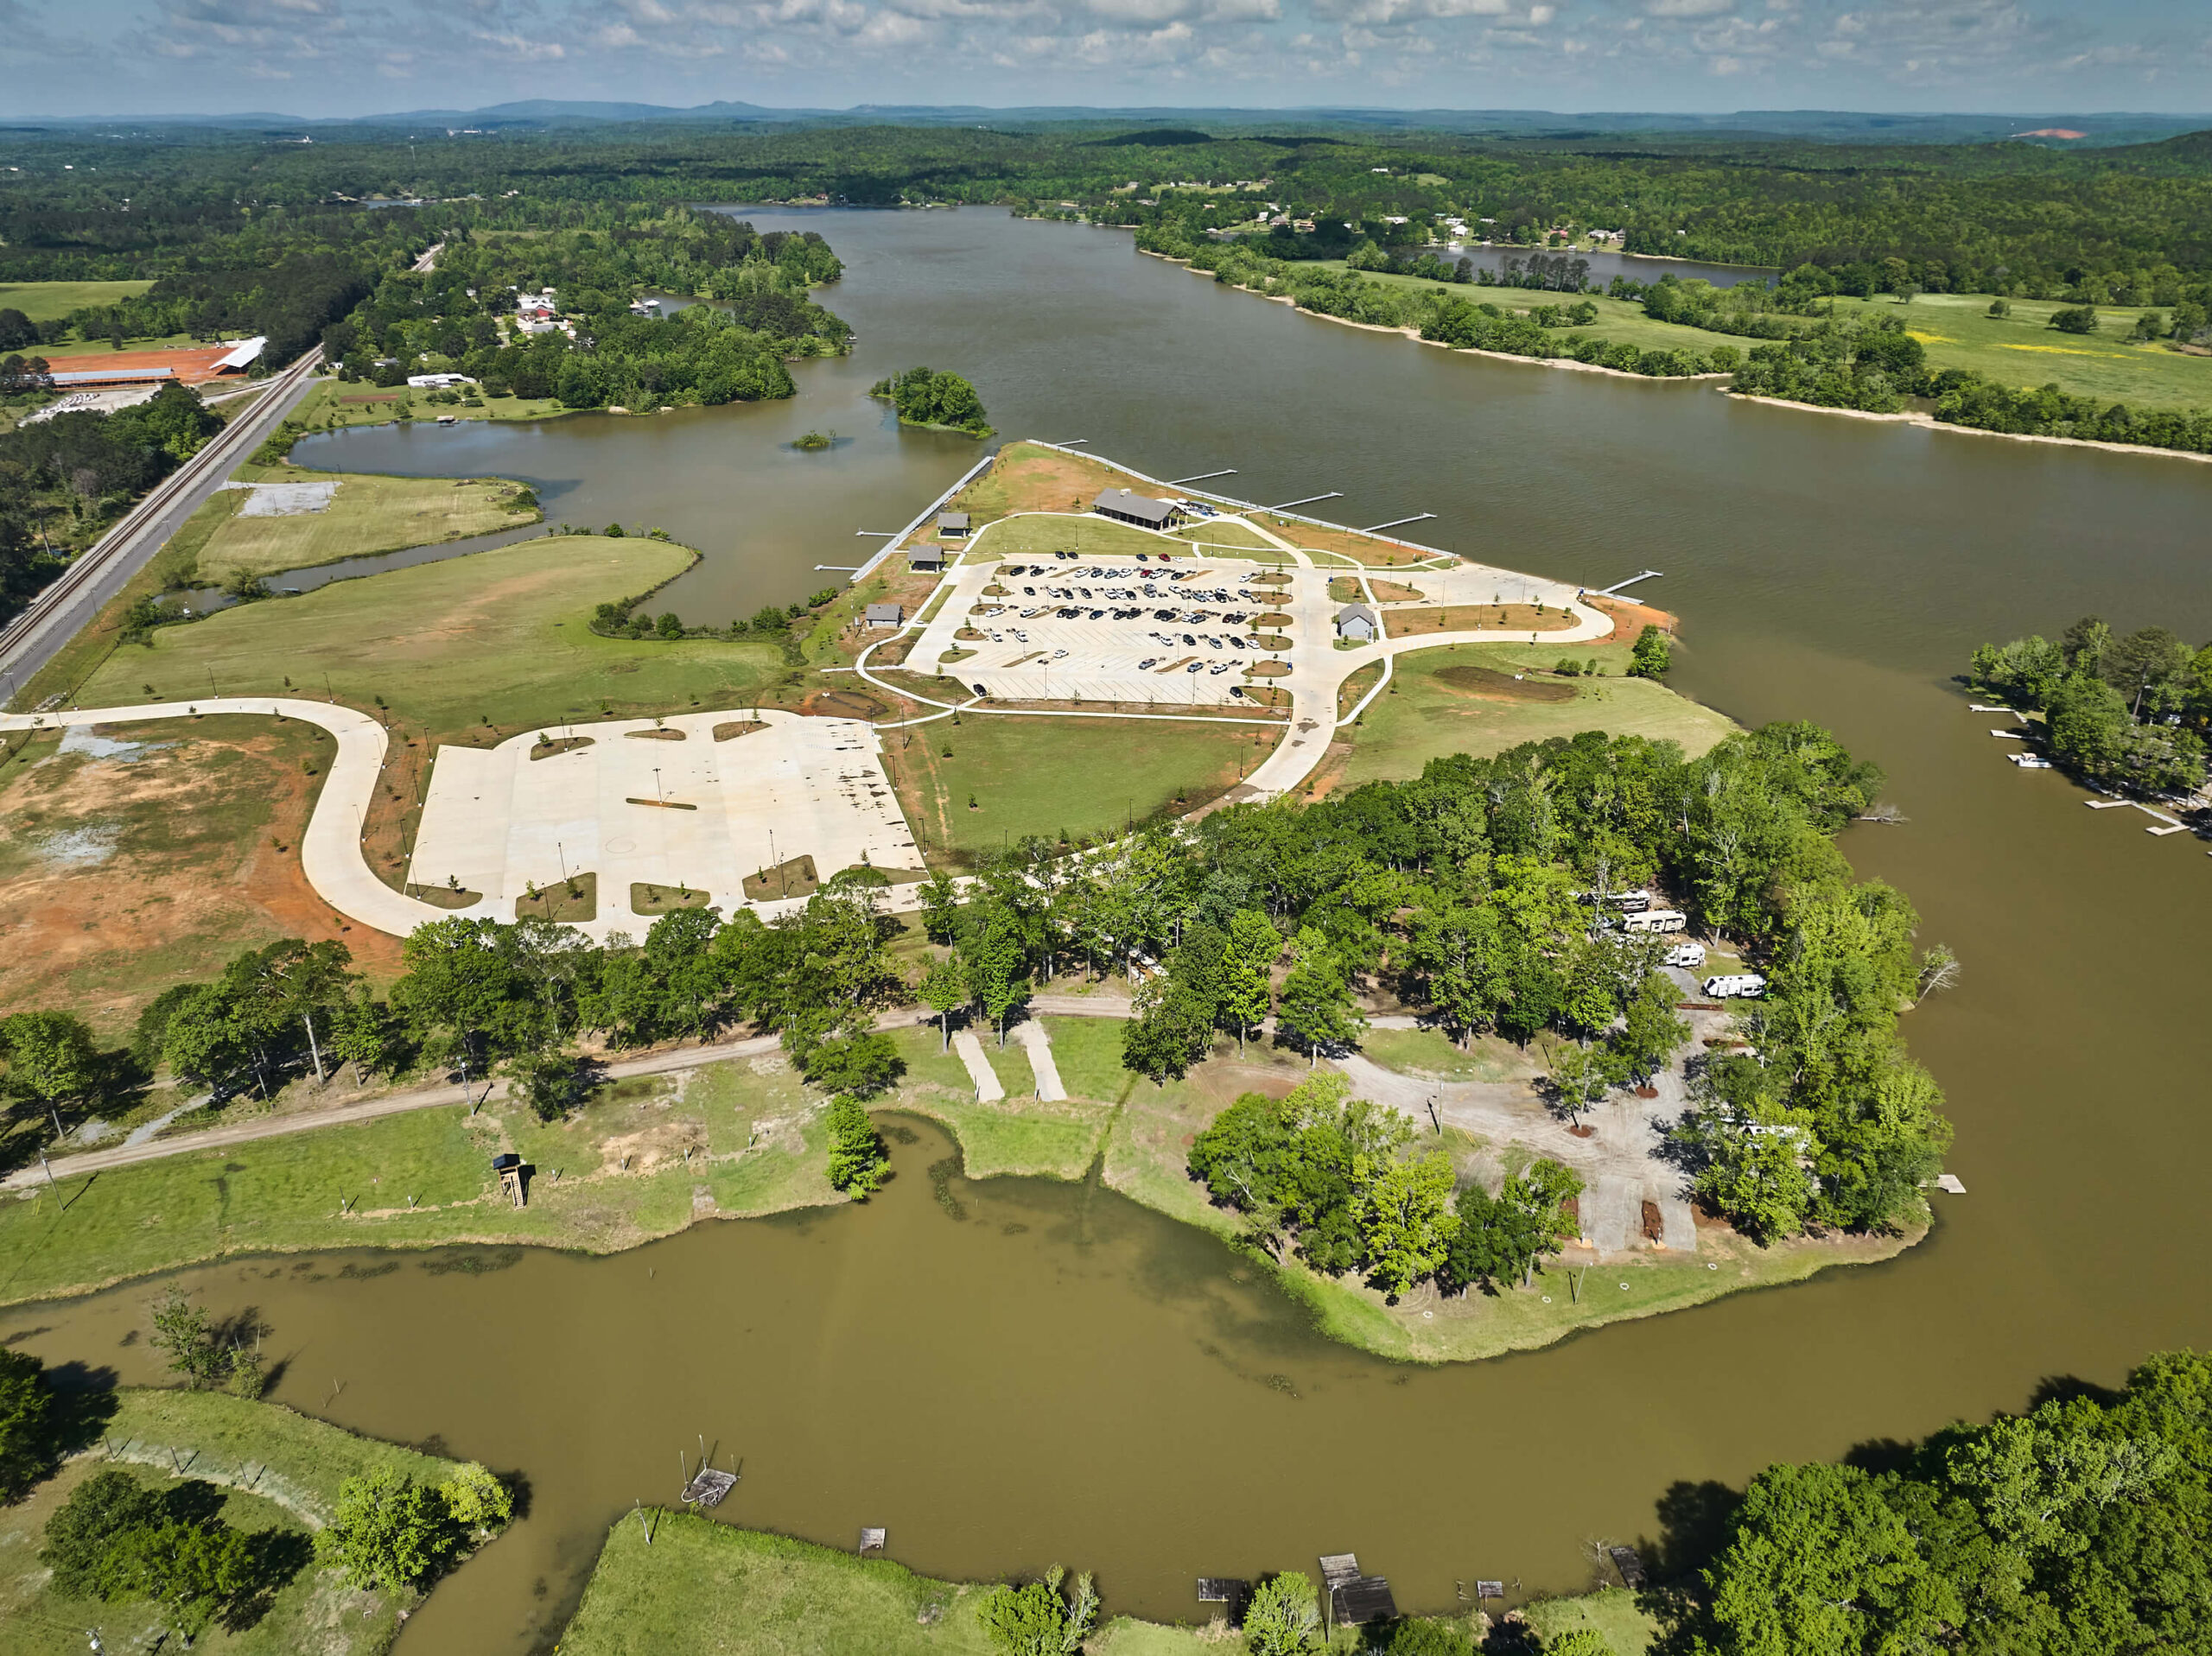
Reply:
x=1058 y=1374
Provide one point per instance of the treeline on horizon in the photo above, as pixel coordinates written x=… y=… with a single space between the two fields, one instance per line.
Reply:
x=1471 y=893
x=1966 y=218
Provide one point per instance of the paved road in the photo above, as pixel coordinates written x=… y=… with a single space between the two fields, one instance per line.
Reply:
x=77 y=595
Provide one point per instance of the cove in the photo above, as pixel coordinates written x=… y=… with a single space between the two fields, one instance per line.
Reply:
x=1021 y=1397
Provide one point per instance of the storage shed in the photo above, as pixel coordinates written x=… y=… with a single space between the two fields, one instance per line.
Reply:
x=1357 y=622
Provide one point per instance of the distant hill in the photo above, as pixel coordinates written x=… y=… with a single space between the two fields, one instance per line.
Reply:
x=1172 y=126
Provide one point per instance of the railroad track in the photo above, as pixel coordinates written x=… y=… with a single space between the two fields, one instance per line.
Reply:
x=74 y=597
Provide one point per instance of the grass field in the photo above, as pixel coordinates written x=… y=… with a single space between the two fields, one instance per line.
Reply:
x=2023 y=349
x=293 y=1467
x=128 y=867
x=497 y=636
x=1041 y=535
x=1610 y=1612
x=1957 y=332
x=1083 y=776
x=1430 y=716
x=366 y=515
x=334 y=405
x=48 y=302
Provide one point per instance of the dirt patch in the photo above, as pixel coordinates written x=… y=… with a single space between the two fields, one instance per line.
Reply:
x=1029 y=479
x=843 y=704
x=1362 y=549
x=1468 y=617
x=444 y=896
x=1272 y=619
x=655 y=735
x=198 y=831
x=731 y=729
x=1271 y=670
x=553 y=750
x=1395 y=592
x=1493 y=686
x=1630 y=619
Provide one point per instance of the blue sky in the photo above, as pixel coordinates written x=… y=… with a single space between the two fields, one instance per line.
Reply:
x=351 y=57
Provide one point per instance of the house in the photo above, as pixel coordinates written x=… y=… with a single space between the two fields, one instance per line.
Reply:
x=1357 y=622
x=437 y=382
x=884 y=615
x=1141 y=509
x=953 y=523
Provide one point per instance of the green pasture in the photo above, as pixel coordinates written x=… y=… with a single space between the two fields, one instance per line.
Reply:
x=367 y=515
x=49 y=301
x=483 y=645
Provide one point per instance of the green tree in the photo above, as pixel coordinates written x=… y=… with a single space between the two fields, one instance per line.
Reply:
x=1247 y=967
x=2088 y=723
x=1458 y=950
x=858 y=1160
x=1577 y=1077
x=1408 y=1221
x=1036 y=1620
x=1170 y=1029
x=51 y=1059
x=1651 y=1032
x=943 y=989
x=26 y=1423
x=97 y=1513
x=364 y=1034
x=194 y=1346
x=1651 y=654
x=477 y=1500
x=388 y=1531
x=1818 y=1564
x=1284 y=1618
x=997 y=968
x=1316 y=1010
x=192 y=1570
x=552 y=1083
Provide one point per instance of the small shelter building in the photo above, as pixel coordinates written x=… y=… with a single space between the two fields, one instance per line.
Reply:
x=1358 y=623
x=884 y=615
x=952 y=525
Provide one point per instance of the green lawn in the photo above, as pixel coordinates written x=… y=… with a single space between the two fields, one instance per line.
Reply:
x=1432 y=1056
x=498 y=636
x=1039 y=534
x=1429 y=717
x=366 y=515
x=1085 y=777
x=1612 y=1612
x=48 y=302
x=277 y=1471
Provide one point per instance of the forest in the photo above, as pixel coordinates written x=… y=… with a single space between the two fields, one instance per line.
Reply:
x=458 y=317
x=2076 y=1529
x=2134 y=709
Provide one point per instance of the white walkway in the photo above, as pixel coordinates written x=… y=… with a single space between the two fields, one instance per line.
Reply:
x=988 y=1089
x=1030 y=1035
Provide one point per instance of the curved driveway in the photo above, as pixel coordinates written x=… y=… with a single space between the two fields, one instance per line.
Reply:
x=330 y=851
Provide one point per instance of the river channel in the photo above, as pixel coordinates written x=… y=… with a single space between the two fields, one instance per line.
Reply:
x=1060 y=1375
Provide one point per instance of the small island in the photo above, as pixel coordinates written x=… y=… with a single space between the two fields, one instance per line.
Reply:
x=938 y=401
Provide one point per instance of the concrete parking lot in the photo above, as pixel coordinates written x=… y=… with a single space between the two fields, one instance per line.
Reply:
x=1176 y=633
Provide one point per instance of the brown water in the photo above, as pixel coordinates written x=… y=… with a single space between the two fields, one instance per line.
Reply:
x=1062 y=1375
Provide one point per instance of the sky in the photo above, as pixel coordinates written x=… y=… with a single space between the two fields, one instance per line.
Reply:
x=325 y=58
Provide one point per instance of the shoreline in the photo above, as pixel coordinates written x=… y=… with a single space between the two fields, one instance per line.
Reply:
x=1927 y=421
x=1422 y=1329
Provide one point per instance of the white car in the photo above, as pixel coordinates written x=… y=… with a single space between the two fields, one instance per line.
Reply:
x=1691 y=956
x=1744 y=985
